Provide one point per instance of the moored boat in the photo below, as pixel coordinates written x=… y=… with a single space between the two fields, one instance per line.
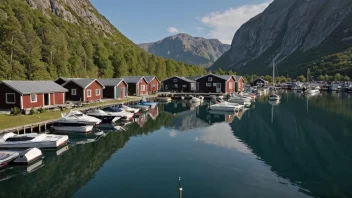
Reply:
x=75 y=121
x=225 y=107
x=29 y=156
x=110 y=116
x=33 y=140
x=274 y=97
x=7 y=157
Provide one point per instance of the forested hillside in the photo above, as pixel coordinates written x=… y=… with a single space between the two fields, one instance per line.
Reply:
x=37 y=43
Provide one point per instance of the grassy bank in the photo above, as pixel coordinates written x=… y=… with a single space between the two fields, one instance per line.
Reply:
x=10 y=121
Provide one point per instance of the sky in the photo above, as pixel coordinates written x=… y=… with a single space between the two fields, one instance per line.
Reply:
x=145 y=21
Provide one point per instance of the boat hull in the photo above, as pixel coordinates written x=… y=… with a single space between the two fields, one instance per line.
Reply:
x=73 y=129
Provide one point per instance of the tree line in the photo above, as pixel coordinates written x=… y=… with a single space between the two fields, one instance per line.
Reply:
x=34 y=46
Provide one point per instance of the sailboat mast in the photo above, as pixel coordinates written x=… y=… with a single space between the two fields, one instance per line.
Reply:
x=274 y=74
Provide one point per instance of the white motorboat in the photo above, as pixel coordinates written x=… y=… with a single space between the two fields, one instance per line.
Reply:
x=29 y=156
x=225 y=107
x=274 y=97
x=33 y=140
x=312 y=91
x=197 y=99
x=128 y=109
x=75 y=121
x=140 y=106
x=7 y=157
x=110 y=116
x=239 y=100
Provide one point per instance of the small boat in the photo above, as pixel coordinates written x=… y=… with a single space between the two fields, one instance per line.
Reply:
x=75 y=121
x=164 y=99
x=274 y=97
x=32 y=140
x=141 y=107
x=125 y=108
x=225 y=107
x=312 y=91
x=110 y=116
x=29 y=156
x=244 y=101
x=197 y=99
x=7 y=157
x=150 y=104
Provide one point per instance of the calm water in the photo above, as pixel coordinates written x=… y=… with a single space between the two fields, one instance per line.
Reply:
x=299 y=148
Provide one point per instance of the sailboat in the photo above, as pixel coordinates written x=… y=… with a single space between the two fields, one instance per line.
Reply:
x=274 y=97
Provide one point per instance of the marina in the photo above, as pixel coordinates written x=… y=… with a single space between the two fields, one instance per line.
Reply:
x=219 y=152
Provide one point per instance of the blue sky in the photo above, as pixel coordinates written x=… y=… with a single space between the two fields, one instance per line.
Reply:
x=152 y=20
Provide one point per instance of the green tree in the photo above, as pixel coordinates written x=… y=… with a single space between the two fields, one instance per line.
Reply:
x=301 y=78
x=220 y=72
x=346 y=78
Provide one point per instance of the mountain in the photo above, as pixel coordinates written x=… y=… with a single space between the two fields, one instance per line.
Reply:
x=296 y=34
x=187 y=49
x=45 y=39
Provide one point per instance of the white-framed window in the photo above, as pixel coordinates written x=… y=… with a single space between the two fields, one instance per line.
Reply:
x=33 y=98
x=10 y=98
x=142 y=87
x=97 y=92
x=175 y=80
x=208 y=84
x=89 y=93
x=176 y=85
x=184 y=85
x=73 y=92
x=231 y=85
x=210 y=79
x=153 y=85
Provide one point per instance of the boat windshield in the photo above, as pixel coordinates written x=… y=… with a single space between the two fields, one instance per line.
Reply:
x=3 y=156
x=79 y=115
x=19 y=139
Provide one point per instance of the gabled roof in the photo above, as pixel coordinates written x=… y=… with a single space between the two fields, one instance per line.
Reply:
x=33 y=87
x=237 y=77
x=187 y=79
x=150 y=78
x=110 y=81
x=83 y=82
x=224 y=77
x=133 y=79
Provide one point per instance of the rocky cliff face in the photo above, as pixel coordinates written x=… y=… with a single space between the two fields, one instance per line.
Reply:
x=291 y=33
x=73 y=11
x=188 y=49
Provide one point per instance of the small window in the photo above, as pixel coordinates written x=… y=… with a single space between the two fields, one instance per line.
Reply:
x=143 y=88
x=33 y=97
x=176 y=85
x=184 y=85
x=210 y=79
x=97 y=92
x=10 y=98
x=89 y=93
x=74 y=92
x=153 y=85
x=208 y=84
x=175 y=80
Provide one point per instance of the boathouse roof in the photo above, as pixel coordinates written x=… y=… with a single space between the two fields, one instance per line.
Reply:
x=110 y=81
x=32 y=87
x=133 y=79
x=83 y=82
x=150 y=78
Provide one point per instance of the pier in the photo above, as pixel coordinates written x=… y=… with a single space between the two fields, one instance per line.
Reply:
x=42 y=126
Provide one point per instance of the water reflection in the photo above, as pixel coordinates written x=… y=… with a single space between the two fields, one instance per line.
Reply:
x=311 y=150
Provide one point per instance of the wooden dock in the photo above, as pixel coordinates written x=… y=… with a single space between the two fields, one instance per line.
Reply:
x=44 y=125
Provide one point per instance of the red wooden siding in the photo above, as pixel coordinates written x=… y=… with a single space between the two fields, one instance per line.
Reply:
x=27 y=104
x=143 y=82
x=59 y=98
x=95 y=85
x=153 y=86
x=232 y=89
x=122 y=92
x=240 y=85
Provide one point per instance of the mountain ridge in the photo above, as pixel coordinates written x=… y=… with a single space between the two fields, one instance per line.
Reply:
x=45 y=39
x=186 y=48
x=293 y=33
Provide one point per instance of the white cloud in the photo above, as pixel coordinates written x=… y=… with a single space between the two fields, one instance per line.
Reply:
x=199 y=28
x=223 y=24
x=173 y=30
